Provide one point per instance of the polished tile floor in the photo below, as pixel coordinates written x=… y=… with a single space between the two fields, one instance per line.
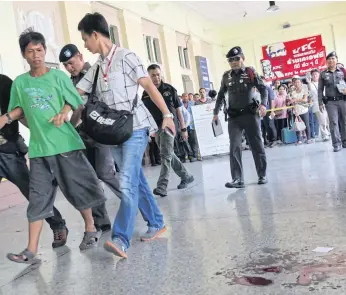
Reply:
x=216 y=235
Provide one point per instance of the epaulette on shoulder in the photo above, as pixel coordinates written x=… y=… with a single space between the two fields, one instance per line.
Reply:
x=252 y=69
x=227 y=72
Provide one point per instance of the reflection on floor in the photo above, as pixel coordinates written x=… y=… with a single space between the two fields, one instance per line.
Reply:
x=218 y=238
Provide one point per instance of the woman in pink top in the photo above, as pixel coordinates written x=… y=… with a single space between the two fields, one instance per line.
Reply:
x=280 y=116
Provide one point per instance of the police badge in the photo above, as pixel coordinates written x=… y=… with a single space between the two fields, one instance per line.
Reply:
x=68 y=53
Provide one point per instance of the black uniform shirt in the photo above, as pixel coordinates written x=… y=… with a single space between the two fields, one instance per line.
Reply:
x=239 y=86
x=170 y=95
x=328 y=81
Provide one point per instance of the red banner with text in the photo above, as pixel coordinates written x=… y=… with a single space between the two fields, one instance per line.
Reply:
x=286 y=59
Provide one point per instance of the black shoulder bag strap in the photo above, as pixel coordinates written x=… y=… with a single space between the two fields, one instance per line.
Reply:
x=135 y=102
x=92 y=95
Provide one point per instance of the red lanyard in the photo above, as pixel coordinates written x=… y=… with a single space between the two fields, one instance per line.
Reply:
x=105 y=74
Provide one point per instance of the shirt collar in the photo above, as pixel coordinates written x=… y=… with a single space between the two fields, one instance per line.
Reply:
x=162 y=86
x=336 y=70
x=108 y=57
x=242 y=69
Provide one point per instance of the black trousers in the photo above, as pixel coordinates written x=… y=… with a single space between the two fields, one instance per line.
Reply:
x=185 y=149
x=154 y=152
x=280 y=124
x=269 y=132
x=250 y=124
x=193 y=142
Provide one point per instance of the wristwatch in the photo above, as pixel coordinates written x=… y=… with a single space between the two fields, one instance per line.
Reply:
x=170 y=115
x=183 y=129
x=9 y=120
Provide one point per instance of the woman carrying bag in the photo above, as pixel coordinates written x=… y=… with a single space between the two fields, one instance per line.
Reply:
x=280 y=115
x=299 y=98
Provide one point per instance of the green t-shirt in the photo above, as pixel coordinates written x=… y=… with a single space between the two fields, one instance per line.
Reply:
x=41 y=99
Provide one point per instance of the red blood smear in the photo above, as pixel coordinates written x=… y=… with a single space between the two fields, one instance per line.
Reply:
x=258 y=281
x=272 y=269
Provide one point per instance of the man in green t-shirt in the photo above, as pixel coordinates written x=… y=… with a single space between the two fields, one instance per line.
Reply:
x=45 y=97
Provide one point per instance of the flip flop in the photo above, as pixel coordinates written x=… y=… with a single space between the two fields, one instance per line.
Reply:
x=26 y=256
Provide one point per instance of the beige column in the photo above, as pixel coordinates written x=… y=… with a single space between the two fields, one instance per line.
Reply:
x=170 y=56
x=131 y=27
x=219 y=64
x=72 y=13
x=195 y=49
x=11 y=60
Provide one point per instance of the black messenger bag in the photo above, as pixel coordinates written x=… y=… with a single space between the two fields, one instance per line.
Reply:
x=103 y=124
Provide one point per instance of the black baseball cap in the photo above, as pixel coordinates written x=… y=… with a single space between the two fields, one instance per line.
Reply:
x=68 y=51
x=235 y=51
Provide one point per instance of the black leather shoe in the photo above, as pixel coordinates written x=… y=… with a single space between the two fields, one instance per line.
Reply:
x=262 y=180
x=159 y=193
x=237 y=183
x=337 y=149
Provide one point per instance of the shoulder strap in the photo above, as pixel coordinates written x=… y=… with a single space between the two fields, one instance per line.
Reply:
x=251 y=74
x=135 y=101
x=93 y=91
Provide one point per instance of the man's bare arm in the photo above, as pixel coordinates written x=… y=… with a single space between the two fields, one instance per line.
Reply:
x=76 y=116
x=15 y=114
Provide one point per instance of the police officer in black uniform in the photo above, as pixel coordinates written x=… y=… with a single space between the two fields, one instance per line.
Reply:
x=247 y=98
x=334 y=100
x=165 y=139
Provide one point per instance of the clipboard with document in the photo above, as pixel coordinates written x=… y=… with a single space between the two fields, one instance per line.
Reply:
x=217 y=128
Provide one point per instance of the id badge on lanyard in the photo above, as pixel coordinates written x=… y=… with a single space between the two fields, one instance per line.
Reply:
x=105 y=73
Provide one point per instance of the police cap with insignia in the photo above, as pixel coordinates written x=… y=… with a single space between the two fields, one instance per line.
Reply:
x=235 y=51
x=332 y=54
x=68 y=51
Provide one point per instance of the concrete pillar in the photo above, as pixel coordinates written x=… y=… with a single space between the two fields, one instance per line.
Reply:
x=195 y=49
x=170 y=56
x=11 y=60
x=219 y=65
x=131 y=26
x=72 y=13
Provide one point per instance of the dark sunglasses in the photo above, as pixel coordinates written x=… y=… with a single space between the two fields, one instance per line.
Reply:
x=236 y=58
